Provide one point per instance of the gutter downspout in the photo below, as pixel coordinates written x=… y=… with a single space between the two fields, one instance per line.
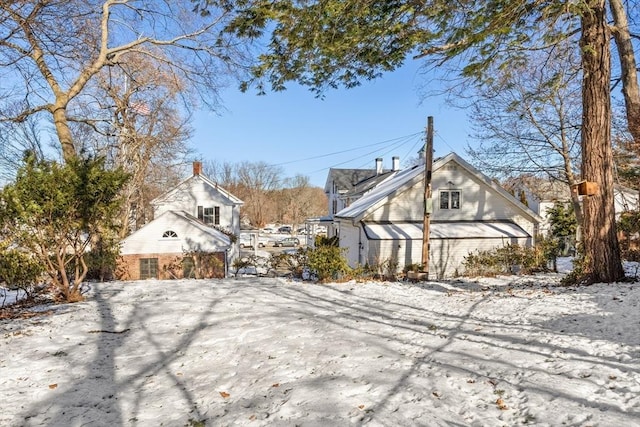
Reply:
x=226 y=263
x=360 y=246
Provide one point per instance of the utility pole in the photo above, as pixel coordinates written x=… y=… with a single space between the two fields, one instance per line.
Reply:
x=426 y=225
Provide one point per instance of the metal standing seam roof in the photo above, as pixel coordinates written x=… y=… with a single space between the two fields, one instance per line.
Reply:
x=381 y=192
x=400 y=179
x=367 y=184
x=445 y=230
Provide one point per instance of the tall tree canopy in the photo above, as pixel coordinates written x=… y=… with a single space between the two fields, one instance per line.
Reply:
x=331 y=43
x=51 y=52
x=527 y=120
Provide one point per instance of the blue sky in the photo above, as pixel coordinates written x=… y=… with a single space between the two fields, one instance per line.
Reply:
x=297 y=131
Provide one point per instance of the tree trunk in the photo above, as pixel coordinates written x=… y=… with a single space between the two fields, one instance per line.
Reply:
x=571 y=180
x=628 y=67
x=63 y=131
x=602 y=261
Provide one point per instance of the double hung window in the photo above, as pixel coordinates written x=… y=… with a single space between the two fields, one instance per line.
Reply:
x=209 y=215
x=450 y=199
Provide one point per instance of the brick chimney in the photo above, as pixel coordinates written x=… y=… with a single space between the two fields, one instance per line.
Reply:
x=378 y=166
x=197 y=168
x=395 y=163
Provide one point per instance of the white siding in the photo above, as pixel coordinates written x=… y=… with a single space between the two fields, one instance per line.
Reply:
x=479 y=201
x=406 y=206
x=625 y=200
x=197 y=192
x=446 y=256
x=527 y=225
x=401 y=199
x=149 y=238
x=350 y=239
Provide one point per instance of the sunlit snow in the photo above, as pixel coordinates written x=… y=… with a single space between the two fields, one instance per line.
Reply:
x=259 y=351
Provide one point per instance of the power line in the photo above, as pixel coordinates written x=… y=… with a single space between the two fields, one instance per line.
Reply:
x=397 y=143
x=346 y=151
x=445 y=142
x=413 y=147
x=401 y=141
x=417 y=136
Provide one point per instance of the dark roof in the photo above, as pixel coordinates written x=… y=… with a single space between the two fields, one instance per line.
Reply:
x=346 y=179
x=367 y=184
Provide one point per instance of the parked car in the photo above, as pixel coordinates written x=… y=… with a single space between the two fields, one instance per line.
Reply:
x=247 y=241
x=268 y=230
x=285 y=229
x=287 y=241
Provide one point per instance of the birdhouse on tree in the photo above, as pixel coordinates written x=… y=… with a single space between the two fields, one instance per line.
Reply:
x=586 y=188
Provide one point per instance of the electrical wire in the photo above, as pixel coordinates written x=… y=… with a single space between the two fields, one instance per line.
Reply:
x=413 y=147
x=415 y=137
x=345 y=151
x=401 y=141
x=398 y=143
x=445 y=142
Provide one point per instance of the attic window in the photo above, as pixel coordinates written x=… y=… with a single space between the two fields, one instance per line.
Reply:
x=169 y=234
x=450 y=199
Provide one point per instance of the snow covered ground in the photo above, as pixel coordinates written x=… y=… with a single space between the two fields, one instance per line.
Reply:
x=258 y=351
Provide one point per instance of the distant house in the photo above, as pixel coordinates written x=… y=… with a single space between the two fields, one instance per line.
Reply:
x=344 y=186
x=625 y=200
x=192 y=233
x=541 y=195
x=470 y=212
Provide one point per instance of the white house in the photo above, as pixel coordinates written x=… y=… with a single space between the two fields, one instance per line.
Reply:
x=344 y=186
x=541 y=196
x=191 y=232
x=470 y=212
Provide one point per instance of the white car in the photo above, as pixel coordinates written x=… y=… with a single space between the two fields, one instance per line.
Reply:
x=247 y=241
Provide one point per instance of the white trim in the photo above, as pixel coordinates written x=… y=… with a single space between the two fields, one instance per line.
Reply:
x=445 y=230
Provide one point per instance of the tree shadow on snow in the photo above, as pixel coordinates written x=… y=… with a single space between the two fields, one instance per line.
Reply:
x=97 y=398
x=439 y=339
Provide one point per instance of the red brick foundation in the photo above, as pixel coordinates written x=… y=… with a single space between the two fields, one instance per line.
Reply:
x=169 y=266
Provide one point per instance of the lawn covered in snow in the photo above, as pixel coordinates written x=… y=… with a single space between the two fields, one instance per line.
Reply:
x=260 y=351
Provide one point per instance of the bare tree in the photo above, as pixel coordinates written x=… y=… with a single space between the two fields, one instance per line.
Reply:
x=628 y=65
x=298 y=201
x=146 y=131
x=255 y=182
x=53 y=49
x=528 y=120
x=340 y=43
x=268 y=197
x=16 y=139
x=224 y=173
